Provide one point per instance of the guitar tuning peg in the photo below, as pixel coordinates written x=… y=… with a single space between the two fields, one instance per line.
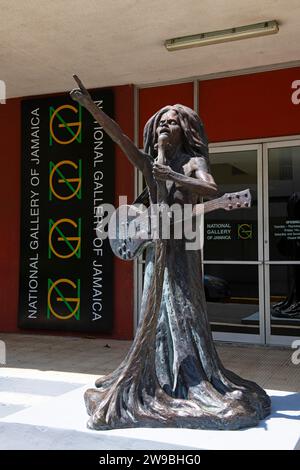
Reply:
x=238 y=204
x=229 y=206
x=246 y=204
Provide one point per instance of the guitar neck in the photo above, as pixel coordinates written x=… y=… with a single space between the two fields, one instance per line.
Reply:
x=228 y=202
x=208 y=206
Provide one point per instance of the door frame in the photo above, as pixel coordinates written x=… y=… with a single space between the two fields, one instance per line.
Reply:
x=247 y=337
x=273 y=339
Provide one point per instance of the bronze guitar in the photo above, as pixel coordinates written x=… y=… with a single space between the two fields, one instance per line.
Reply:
x=129 y=232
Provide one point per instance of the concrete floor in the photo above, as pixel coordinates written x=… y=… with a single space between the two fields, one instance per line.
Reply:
x=43 y=383
x=86 y=358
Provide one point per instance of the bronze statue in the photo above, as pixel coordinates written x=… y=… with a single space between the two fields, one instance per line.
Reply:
x=172 y=375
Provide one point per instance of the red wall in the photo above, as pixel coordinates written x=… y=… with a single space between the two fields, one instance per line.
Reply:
x=10 y=154
x=235 y=108
x=250 y=106
x=124 y=184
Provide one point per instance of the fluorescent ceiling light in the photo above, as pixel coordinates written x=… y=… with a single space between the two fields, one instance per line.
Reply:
x=215 y=37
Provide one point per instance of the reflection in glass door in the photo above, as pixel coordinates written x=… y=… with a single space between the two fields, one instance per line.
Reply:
x=282 y=240
x=233 y=268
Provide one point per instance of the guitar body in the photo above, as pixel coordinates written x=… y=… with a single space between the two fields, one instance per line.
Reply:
x=130 y=230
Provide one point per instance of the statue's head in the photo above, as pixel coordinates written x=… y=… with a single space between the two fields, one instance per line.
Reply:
x=183 y=128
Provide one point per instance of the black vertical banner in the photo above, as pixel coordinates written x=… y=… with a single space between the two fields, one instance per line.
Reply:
x=66 y=272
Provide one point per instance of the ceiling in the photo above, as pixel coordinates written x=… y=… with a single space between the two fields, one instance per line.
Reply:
x=115 y=42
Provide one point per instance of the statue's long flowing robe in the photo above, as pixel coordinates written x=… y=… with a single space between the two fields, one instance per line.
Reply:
x=172 y=375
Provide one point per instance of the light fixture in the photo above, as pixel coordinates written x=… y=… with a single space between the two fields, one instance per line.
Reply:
x=224 y=35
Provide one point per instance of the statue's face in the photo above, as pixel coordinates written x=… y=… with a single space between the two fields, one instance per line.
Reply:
x=169 y=126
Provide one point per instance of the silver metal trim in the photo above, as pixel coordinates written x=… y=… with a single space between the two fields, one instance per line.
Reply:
x=260 y=213
x=232 y=324
x=236 y=337
x=282 y=262
x=266 y=201
x=233 y=147
x=288 y=142
x=266 y=286
x=231 y=262
x=262 y=311
x=287 y=326
x=270 y=140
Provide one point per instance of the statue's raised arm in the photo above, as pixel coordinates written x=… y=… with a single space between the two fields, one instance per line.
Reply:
x=136 y=156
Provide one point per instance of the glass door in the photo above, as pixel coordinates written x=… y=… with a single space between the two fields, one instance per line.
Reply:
x=233 y=249
x=282 y=241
